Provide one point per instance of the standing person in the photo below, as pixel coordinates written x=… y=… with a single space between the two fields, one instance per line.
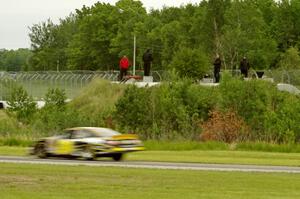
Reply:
x=244 y=67
x=124 y=65
x=217 y=68
x=147 y=58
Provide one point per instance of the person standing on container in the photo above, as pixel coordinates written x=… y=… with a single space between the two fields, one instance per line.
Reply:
x=147 y=58
x=124 y=65
x=217 y=68
x=244 y=67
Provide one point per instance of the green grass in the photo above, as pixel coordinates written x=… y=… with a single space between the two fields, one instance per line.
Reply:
x=220 y=157
x=194 y=145
x=197 y=156
x=74 y=182
x=13 y=151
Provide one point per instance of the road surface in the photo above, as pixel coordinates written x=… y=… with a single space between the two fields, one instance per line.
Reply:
x=152 y=165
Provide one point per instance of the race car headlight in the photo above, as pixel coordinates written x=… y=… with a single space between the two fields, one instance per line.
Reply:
x=113 y=143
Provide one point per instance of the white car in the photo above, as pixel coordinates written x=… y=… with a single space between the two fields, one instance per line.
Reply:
x=88 y=143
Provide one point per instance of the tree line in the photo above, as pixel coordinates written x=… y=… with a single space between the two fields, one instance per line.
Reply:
x=185 y=38
x=14 y=60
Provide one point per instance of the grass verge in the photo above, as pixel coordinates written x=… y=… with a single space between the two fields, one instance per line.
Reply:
x=75 y=182
x=194 y=145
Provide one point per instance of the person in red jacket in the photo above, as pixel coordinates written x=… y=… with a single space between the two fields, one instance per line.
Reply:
x=124 y=65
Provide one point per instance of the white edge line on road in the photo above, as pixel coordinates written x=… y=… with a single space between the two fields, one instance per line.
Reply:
x=154 y=167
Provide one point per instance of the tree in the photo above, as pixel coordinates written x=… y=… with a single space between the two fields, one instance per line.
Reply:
x=286 y=26
x=290 y=59
x=42 y=38
x=14 y=60
x=245 y=34
x=191 y=63
x=89 y=48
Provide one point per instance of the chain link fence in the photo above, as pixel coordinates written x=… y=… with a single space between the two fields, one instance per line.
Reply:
x=37 y=83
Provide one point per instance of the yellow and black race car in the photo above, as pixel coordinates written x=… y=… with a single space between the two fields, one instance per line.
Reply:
x=88 y=143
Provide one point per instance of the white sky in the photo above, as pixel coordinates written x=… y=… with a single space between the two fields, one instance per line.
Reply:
x=17 y=15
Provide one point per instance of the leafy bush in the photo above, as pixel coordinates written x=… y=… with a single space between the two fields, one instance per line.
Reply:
x=170 y=111
x=290 y=59
x=225 y=127
x=55 y=98
x=133 y=109
x=282 y=123
x=192 y=63
x=22 y=104
x=249 y=99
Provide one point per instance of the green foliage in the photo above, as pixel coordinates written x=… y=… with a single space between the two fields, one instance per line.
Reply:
x=190 y=63
x=55 y=98
x=273 y=116
x=97 y=101
x=290 y=59
x=282 y=124
x=53 y=121
x=245 y=34
x=22 y=104
x=14 y=60
x=177 y=110
x=93 y=38
x=170 y=111
x=249 y=99
x=6 y=84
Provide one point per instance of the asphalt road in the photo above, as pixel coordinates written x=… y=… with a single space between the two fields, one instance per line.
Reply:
x=152 y=165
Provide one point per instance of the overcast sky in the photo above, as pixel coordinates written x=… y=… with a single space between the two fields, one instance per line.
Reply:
x=17 y=15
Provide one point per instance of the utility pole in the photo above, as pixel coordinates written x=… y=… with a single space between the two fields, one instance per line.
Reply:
x=134 y=53
x=57 y=65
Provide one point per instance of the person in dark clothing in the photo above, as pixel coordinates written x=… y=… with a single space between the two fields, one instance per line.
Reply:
x=147 y=58
x=244 y=67
x=217 y=68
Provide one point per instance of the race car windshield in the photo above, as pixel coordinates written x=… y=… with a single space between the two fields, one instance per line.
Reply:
x=103 y=132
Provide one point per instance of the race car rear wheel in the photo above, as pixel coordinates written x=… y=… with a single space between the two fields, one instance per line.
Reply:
x=88 y=153
x=40 y=150
x=117 y=156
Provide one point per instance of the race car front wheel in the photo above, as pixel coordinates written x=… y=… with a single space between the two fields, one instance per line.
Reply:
x=40 y=150
x=117 y=156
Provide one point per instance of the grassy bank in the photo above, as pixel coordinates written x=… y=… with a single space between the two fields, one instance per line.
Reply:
x=40 y=181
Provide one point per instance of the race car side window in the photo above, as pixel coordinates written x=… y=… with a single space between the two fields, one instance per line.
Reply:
x=66 y=135
x=79 y=134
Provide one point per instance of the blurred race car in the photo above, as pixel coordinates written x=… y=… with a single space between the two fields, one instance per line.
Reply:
x=88 y=143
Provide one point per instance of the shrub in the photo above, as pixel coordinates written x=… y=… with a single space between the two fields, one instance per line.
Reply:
x=290 y=59
x=226 y=127
x=282 y=123
x=55 y=98
x=192 y=63
x=22 y=104
x=133 y=110
x=171 y=111
x=249 y=99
